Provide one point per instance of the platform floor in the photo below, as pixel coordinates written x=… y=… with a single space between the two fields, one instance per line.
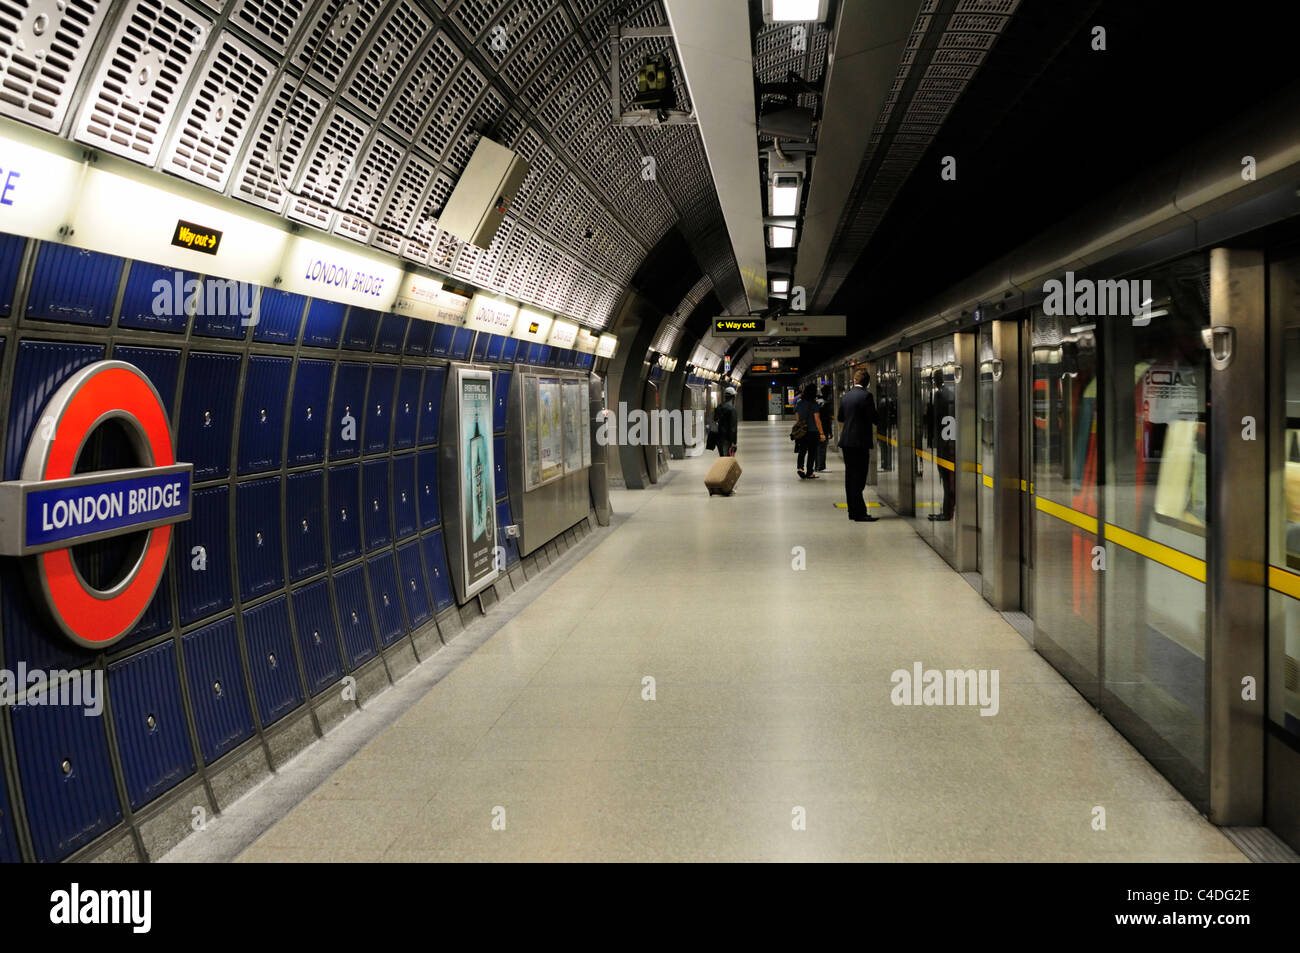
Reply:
x=772 y=694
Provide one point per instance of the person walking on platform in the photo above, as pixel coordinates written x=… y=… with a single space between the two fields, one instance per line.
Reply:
x=825 y=409
x=858 y=418
x=806 y=412
x=725 y=420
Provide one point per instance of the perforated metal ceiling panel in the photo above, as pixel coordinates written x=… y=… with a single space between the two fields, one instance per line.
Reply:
x=358 y=116
x=137 y=85
x=44 y=45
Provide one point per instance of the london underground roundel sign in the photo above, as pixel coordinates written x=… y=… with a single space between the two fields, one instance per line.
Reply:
x=52 y=507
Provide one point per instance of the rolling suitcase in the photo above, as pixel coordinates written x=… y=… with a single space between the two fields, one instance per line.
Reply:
x=722 y=476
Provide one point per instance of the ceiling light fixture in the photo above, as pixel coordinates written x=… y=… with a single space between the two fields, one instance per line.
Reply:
x=794 y=11
x=781 y=236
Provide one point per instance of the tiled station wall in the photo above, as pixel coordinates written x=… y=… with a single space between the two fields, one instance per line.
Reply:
x=321 y=553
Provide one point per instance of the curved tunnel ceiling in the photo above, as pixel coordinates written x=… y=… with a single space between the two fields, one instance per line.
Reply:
x=357 y=117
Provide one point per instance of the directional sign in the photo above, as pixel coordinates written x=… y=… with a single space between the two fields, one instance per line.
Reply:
x=807 y=326
x=787 y=326
x=740 y=327
x=762 y=353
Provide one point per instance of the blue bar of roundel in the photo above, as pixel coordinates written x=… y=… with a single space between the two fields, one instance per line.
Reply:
x=38 y=500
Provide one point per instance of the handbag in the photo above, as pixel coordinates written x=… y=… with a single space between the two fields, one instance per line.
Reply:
x=799 y=431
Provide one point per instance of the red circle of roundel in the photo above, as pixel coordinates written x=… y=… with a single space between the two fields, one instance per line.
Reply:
x=86 y=615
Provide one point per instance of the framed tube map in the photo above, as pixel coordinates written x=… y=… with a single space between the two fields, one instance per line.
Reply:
x=557 y=433
x=477 y=514
x=550 y=428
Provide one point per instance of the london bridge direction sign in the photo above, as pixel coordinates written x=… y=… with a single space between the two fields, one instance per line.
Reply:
x=785 y=326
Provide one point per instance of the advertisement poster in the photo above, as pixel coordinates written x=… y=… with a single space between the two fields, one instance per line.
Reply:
x=478 y=515
x=532 y=444
x=572 y=426
x=550 y=432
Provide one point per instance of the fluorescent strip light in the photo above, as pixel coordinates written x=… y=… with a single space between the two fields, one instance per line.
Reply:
x=785 y=196
x=796 y=11
x=782 y=237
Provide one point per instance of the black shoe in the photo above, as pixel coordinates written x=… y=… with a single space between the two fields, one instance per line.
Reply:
x=801 y=474
x=865 y=519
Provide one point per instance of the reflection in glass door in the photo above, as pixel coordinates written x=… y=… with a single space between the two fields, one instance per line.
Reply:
x=1157 y=372
x=1065 y=469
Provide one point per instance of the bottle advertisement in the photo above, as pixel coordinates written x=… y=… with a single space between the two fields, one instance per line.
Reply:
x=478 y=514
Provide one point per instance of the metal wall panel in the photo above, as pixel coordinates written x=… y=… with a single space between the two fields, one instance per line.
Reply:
x=461 y=344
x=318 y=640
x=311 y=392
x=202 y=558
x=324 y=323
x=257 y=538
x=224 y=309
x=431 y=405
x=427 y=489
x=66 y=777
x=392 y=333
x=419 y=339
x=279 y=316
x=361 y=327
x=502 y=485
x=379 y=407
x=375 y=503
x=344 y=513
x=209 y=402
x=405 y=515
x=305 y=523
x=150 y=299
x=261 y=426
x=349 y=401
x=9 y=853
x=222 y=713
x=501 y=405
x=386 y=598
x=359 y=643
x=435 y=564
x=11 y=256
x=161 y=365
x=443 y=336
x=153 y=737
x=271 y=659
x=73 y=286
x=415 y=593
x=406 y=407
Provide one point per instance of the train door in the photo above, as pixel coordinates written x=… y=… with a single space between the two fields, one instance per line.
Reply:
x=1282 y=782
x=922 y=462
x=1066 y=457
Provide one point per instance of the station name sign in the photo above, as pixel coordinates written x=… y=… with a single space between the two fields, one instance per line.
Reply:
x=93 y=506
x=789 y=325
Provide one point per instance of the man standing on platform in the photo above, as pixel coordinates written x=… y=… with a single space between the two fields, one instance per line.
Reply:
x=858 y=416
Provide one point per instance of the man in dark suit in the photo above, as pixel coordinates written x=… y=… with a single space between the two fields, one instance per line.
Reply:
x=858 y=416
